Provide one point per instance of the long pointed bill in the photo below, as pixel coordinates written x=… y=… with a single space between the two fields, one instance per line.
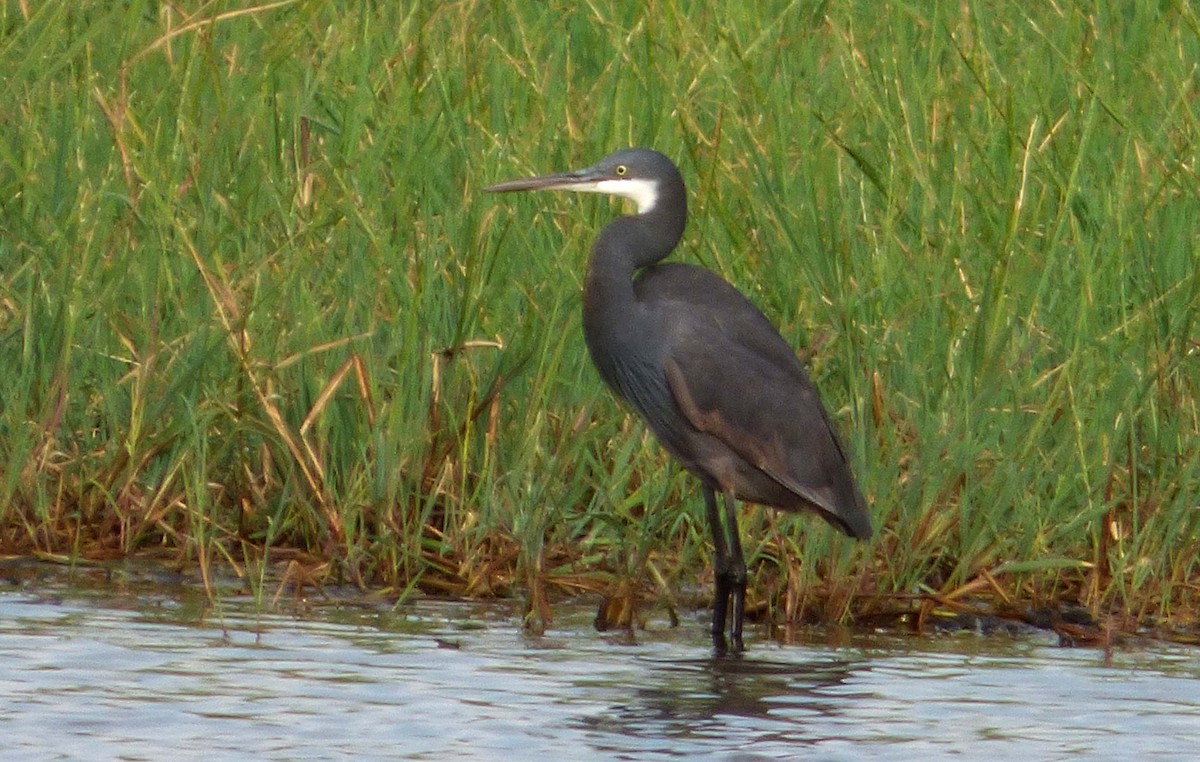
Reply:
x=591 y=180
x=580 y=180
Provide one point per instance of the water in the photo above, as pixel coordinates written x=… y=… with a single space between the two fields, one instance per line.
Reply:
x=145 y=672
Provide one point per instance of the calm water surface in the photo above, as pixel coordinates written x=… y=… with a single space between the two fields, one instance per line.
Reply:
x=146 y=672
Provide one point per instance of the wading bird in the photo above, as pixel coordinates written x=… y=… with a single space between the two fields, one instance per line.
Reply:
x=710 y=375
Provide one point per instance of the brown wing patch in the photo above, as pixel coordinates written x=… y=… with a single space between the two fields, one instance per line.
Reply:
x=707 y=421
x=767 y=456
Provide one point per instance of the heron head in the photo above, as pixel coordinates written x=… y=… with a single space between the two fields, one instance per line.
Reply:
x=633 y=173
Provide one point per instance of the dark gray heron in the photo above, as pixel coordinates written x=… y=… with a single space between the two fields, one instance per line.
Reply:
x=716 y=383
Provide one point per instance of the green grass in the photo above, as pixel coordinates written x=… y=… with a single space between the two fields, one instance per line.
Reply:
x=253 y=306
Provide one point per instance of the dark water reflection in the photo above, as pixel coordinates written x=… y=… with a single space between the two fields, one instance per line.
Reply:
x=145 y=672
x=693 y=706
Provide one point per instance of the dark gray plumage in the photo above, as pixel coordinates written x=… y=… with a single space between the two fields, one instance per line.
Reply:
x=709 y=374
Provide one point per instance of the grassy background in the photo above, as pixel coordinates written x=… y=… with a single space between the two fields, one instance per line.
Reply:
x=253 y=306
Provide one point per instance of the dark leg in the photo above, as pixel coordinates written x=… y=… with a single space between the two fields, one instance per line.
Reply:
x=737 y=570
x=721 y=577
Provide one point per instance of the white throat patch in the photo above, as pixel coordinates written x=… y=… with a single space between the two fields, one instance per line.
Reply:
x=643 y=192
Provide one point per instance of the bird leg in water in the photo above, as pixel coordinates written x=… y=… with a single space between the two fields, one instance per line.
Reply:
x=729 y=571
x=720 y=564
x=737 y=570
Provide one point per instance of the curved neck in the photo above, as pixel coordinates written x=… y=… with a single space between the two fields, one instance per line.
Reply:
x=626 y=245
x=635 y=241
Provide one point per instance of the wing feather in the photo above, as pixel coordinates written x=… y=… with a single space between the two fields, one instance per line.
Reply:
x=733 y=377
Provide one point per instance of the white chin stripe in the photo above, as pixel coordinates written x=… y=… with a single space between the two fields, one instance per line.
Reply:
x=642 y=192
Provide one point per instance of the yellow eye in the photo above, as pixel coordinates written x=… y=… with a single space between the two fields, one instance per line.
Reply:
x=621 y=170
